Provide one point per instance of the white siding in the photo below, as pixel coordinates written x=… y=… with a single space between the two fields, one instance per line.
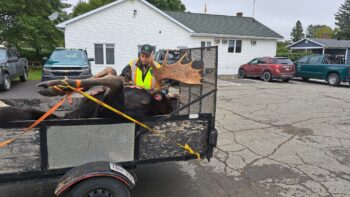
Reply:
x=118 y=25
x=230 y=62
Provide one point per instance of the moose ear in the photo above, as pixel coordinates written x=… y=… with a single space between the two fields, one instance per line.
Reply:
x=158 y=97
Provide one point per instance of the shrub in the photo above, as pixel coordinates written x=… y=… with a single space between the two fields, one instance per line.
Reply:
x=33 y=59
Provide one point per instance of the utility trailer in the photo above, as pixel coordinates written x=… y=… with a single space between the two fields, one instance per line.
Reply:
x=96 y=157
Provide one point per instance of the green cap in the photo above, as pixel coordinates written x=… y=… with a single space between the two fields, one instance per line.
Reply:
x=147 y=49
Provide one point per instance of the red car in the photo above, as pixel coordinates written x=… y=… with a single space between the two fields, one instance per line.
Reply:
x=268 y=68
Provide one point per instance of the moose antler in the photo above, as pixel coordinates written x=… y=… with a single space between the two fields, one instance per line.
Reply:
x=183 y=73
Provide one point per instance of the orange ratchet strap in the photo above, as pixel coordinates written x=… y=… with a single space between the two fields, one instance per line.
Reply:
x=43 y=117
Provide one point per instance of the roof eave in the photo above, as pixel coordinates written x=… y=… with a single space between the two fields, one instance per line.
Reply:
x=306 y=48
x=297 y=42
x=62 y=25
x=168 y=16
x=236 y=36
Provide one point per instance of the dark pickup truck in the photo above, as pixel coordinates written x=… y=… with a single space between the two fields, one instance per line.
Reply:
x=331 y=68
x=71 y=63
x=11 y=67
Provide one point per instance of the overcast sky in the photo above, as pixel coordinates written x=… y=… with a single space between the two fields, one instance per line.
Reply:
x=279 y=15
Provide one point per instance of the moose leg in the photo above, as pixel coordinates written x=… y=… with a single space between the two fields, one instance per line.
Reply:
x=106 y=71
x=112 y=82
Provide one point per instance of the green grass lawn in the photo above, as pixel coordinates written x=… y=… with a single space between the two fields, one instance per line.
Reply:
x=34 y=74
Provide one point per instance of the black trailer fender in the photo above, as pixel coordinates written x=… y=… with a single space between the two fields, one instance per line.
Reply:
x=92 y=170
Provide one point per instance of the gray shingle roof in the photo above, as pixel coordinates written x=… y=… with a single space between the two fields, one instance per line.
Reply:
x=332 y=42
x=226 y=25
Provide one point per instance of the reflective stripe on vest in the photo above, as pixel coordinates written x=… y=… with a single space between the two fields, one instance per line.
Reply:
x=136 y=75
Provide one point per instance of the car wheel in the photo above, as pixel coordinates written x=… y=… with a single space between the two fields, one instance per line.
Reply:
x=24 y=77
x=99 y=187
x=286 y=80
x=267 y=76
x=241 y=73
x=305 y=79
x=333 y=79
x=7 y=82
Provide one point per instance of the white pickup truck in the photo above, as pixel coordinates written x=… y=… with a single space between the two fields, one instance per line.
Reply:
x=11 y=67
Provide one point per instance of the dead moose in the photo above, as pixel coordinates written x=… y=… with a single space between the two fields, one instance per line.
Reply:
x=133 y=101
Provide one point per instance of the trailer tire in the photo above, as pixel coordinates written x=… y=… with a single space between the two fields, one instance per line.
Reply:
x=99 y=186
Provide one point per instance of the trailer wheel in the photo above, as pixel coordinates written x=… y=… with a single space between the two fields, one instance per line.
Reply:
x=99 y=187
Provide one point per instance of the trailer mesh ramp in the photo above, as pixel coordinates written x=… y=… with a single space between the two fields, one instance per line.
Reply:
x=202 y=98
x=194 y=100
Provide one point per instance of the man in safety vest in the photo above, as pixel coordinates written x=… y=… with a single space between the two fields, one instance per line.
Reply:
x=139 y=71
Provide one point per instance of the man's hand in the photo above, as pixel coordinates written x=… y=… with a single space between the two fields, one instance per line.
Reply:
x=151 y=60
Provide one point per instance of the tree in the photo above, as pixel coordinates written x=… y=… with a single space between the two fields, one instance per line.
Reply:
x=83 y=7
x=25 y=24
x=297 y=32
x=171 y=5
x=319 y=31
x=282 y=47
x=342 y=18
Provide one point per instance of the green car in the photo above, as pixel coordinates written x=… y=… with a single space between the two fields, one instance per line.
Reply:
x=330 y=68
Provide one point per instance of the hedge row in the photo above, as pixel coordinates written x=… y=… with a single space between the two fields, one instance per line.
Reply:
x=294 y=56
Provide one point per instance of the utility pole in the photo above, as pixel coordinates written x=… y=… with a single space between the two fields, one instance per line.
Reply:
x=254 y=11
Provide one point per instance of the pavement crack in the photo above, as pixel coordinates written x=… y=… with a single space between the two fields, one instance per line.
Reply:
x=305 y=174
x=269 y=155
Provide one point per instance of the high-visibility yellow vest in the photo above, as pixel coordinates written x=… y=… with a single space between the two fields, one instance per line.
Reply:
x=136 y=75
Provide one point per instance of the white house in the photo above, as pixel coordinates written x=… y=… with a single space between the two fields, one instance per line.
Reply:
x=112 y=34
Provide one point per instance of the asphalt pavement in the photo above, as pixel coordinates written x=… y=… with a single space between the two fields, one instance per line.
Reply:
x=275 y=139
x=20 y=90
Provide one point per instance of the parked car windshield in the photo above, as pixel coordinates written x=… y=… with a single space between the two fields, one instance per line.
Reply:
x=282 y=61
x=173 y=56
x=67 y=57
x=2 y=54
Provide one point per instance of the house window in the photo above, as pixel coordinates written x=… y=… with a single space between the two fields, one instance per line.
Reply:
x=238 y=46
x=235 y=46
x=99 y=54
x=208 y=44
x=104 y=53
x=231 y=46
x=202 y=44
x=110 y=53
